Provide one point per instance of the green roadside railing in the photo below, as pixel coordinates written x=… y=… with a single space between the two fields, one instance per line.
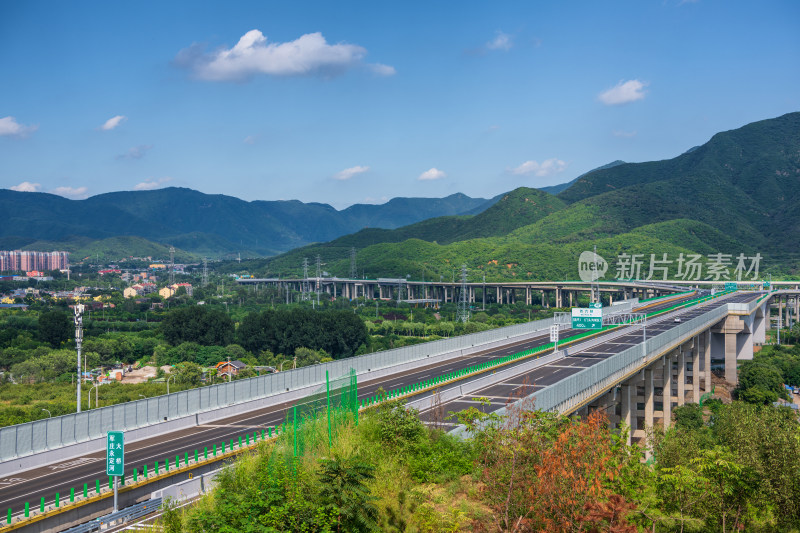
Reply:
x=247 y=440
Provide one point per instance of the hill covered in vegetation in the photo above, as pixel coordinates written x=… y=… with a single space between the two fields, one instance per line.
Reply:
x=737 y=194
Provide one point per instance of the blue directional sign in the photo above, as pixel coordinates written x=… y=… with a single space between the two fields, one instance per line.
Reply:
x=115 y=453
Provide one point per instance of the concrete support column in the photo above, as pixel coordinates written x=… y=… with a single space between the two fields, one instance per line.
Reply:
x=707 y=359
x=681 y=374
x=559 y=297
x=570 y=299
x=731 y=374
x=626 y=413
x=696 y=369
x=499 y=296
x=666 y=395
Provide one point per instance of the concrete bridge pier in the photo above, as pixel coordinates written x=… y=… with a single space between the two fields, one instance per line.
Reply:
x=666 y=391
x=732 y=340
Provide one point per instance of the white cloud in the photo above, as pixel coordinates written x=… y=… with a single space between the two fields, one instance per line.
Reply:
x=113 y=122
x=9 y=126
x=624 y=134
x=75 y=193
x=27 y=186
x=150 y=184
x=432 y=174
x=502 y=41
x=383 y=70
x=137 y=152
x=372 y=200
x=252 y=55
x=348 y=173
x=624 y=92
x=547 y=167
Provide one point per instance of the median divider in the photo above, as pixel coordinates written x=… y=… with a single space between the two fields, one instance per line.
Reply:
x=141 y=475
x=249 y=441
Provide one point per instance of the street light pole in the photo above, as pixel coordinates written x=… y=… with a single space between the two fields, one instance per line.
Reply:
x=171 y=377
x=78 y=342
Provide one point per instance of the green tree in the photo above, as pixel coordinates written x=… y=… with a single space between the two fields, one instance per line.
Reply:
x=731 y=487
x=682 y=489
x=760 y=382
x=55 y=327
x=198 y=324
x=188 y=374
x=344 y=487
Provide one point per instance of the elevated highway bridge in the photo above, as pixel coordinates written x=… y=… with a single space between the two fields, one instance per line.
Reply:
x=636 y=376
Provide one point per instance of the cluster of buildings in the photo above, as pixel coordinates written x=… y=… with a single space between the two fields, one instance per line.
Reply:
x=19 y=260
x=144 y=288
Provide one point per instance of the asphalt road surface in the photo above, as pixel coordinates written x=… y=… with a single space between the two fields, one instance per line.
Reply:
x=31 y=485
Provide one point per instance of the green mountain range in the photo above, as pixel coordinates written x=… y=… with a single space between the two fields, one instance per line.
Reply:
x=739 y=193
x=197 y=223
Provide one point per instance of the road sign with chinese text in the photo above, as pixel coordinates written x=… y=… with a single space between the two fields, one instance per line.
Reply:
x=587 y=318
x=554 y=333
x=115 y=453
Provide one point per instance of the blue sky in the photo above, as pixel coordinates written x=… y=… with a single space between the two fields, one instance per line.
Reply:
x=363 y=101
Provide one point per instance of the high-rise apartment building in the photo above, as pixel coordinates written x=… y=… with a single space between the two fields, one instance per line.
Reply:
x=18 y=260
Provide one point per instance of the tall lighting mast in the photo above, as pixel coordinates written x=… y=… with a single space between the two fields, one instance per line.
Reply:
x=78 y=342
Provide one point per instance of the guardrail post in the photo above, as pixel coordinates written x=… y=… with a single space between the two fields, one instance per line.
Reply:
x=58 y=500
x=97 y=486
x=8 y=520
x=223 y=446
x=85 y=490
x=269 y=430
x=215 y=450
x=27 y=509
x=246 y=439
x=41 y=505
x=195 y=455
x=262 y=434
x=71 y=494
x=135 y=475
x=110 y=486
x=205 y=452
x=185 y=458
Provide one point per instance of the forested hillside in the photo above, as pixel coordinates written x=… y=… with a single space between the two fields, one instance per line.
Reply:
x=737 y=194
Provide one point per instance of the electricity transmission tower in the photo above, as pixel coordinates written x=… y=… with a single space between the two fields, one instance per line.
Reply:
x=305 y=289
x=400 y=286
x=318 y=288
x=353 y=270
x=595 y=286
x=463 y=304
x=171 y=265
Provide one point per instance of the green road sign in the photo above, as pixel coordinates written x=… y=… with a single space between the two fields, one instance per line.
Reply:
x=115 y=453
x=587 y=318
x=731 y=286
x=596 y=305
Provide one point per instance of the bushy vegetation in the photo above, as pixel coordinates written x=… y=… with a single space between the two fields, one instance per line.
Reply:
x=720 y=468
x=762 y=380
